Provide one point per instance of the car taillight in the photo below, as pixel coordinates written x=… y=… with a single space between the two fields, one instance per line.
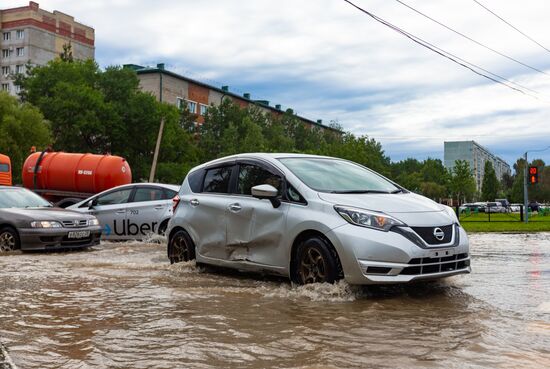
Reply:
x=175 y=203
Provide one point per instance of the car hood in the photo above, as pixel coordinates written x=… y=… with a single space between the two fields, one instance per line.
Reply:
x=410 y=208
x=31 y=214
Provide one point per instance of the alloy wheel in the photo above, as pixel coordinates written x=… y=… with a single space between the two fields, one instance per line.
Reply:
x=181 y=249
x=312 y=267
x=7 y=242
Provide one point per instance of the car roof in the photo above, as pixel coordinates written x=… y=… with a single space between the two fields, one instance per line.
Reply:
x=145 y=184
x=271 y=157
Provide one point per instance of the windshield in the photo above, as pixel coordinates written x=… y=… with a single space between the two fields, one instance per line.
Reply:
x=338 y=176
x=21 y=198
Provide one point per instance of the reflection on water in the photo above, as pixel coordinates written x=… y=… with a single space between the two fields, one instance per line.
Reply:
x=123 y=306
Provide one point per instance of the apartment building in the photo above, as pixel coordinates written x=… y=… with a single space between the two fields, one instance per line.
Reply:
x=30 y=35
x=476 y=155
x=176 y=89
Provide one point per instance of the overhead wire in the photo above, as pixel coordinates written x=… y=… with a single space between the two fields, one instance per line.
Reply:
x=511 y=25
x=468 y=65
x=473 y=40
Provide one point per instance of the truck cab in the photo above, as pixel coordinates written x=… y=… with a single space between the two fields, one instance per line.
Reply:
x=5 y=171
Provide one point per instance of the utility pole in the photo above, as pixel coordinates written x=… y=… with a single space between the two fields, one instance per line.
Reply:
x=161 y=129
x=525 y=183
x=157 y=149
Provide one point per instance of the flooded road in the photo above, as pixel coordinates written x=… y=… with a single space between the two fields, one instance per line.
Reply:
x=121 y=305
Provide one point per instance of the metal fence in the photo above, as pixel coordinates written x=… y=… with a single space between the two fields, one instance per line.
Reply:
x=500 y=214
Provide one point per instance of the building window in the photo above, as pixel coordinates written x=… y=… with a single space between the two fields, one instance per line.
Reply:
x=7 y=36
x=203 y=109
x=5 y=87
x=19 y=68
x=179 y=103
x=6 y=53
x=5 y=71
x=17 y=88
x=20 y=51
x=20 y=34
x=192 y=106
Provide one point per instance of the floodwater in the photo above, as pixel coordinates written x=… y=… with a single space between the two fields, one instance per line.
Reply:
x=121 y=305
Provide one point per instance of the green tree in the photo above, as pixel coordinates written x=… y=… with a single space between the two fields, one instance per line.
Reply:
x=489 y=187
x=104 y=111
x=21 y=127
x=462 y=184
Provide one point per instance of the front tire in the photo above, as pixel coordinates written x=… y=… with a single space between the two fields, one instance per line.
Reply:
x=9 y=239
x=316 y=262
x=181 y=247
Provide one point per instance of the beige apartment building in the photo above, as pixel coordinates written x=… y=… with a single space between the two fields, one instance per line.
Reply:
x=176 y=89
x=33 y=35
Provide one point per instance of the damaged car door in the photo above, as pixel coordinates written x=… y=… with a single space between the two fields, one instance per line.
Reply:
x=255 y=228
x=207 y=212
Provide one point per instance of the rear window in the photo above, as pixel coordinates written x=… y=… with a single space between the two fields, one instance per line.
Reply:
x=4 y=168
x=195 y=180
x=217 y=180
x=149 y=194
x=169 y=194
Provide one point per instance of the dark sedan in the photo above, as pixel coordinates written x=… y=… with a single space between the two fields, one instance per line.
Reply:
x=28 y=222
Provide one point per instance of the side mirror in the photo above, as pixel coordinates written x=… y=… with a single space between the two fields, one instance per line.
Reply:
x=92 y=203
x=268 y=192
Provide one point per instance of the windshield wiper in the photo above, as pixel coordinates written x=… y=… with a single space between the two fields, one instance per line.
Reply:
x=359 y=191
x=398 y=190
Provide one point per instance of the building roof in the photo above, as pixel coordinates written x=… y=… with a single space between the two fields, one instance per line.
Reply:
x=224 y=90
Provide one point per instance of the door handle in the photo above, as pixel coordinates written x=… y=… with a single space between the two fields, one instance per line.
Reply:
x=194 y=202
x=160 y=207
x=121 y=211
x=235 y=207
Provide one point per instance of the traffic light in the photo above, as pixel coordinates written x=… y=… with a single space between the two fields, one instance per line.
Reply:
x=533 y=175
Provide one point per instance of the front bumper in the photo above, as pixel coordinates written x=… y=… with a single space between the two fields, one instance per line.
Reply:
x=370 y=256
x=57 y=238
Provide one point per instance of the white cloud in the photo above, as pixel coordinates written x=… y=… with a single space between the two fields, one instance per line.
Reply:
x=326 y=59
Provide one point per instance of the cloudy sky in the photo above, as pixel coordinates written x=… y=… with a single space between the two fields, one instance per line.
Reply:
x=327 y=60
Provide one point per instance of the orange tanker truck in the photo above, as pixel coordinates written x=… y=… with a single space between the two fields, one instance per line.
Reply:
x=5 y=170
x=65 y=179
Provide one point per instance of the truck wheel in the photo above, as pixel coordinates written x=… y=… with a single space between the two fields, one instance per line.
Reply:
x=181 y=247
x=9 y=239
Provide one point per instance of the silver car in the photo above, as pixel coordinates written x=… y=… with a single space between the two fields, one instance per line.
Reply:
x=131 y=211
x=29 y=222
x=313 y=219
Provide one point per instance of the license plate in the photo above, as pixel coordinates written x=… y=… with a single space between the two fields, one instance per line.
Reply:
x=79 y=234
x=442 y=253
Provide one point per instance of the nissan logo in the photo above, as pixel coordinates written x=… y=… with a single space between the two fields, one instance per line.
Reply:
x=439 y=234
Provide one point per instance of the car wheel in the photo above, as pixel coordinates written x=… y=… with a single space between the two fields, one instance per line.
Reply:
x=9 y=239
x=316 y=262
x=181 y=247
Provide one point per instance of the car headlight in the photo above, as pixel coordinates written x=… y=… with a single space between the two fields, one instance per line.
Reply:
x=93 y=222
x=46 y=224
x=367 y=218
x=451 y=212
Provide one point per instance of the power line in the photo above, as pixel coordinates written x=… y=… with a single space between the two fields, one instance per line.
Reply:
x=511 y=25
x=472 y=40
x=470 y=66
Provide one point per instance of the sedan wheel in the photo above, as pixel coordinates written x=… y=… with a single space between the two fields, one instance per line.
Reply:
x=9 y=240
x=181 y=248
x=316 y=262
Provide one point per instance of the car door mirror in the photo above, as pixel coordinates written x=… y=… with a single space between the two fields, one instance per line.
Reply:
x=266 y=191
x=92 y=203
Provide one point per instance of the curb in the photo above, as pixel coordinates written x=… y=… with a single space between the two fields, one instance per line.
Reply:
x=5 y=360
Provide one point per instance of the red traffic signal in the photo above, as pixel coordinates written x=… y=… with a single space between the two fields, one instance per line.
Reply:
x=533 y=175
